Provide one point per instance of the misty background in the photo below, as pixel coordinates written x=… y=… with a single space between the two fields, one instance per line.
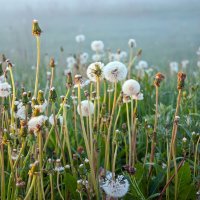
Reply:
x=165 y=30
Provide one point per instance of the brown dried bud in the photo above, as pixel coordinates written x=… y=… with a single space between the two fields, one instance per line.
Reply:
x=80 y=149
x=78 y=79
x=139 y=53
x=158 y=79
x=181 y=80
x=52 y=63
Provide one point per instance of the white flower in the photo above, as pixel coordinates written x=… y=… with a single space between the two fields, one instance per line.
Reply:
x=115 y=188
x=21 y=111
x=142 y=64
x=84 y=58
x=173 y=67
x=5 y=89
x=123 y=55
x=35 y=121
x=131 y=87
x=184 y=63
x=96 y=57
x=70 y=61
x=115 y=71
x=87 y=108
x=95 y=70
x=132 y=43
x=97 y=46
x=80 y=38
x=51 y=119
x=184 y=139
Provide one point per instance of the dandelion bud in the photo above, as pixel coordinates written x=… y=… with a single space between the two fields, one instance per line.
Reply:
x=36 y=30
x=52 y=63
x=53 y=95
x=61 y=49
x=81 y=169
x=139 y=53
x=23 y=128
x=87 y=164
x=181 y=80
x=14 y=154
x=25 y=99
x=59 y=167
x=176 y=120
x=69 y=79
x=34 y=168
x=29 y=94
x=78 y=79
x=87 y=94
x=79 y=185
x=40 y=97
x=158 y=79
x=184 y=140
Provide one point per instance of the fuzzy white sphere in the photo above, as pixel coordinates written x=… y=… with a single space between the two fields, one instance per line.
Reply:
x=92 y=68
x=132 y=43
x=5 y=89
x=142 y=64
x=96 y=57
x=80 y=38
x=35 y=121
x=115 y=71
x=173 y=67
x=97 y=46
x=131 y=87
x=87 y=108
x=115 y=188
x=51 y=119
x=84 y=58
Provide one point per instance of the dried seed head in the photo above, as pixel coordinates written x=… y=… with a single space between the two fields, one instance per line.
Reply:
x=181 y=80
x=52 y=63
x=158 y=79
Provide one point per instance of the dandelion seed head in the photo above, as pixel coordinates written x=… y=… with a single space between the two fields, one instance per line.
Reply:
x=95 y=71
x=87 y=108
x=97 y=46
x=131 y=87
x=5 y=89
x=115 y=71
x=132 y=43
x=80 y=38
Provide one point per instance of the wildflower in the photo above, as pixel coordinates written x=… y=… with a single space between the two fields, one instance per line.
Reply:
x=41 y=107
x=181 y=80
x=173 y=67
x=97 y=46
x=142 y=65
x=78 y=80
x=184 y=139
x=59 y=167
x=80 y=38
x=96 y=57
x=21 y=111
x=53 y=95
x=95 y=71
x=20 y=183
x=51 y=119
x=131 y=87
x=87 y=108
x=184 y=63
x=84 y=58
x=132 y=43
x=158 y=79
x=5 y=89
x=14 y=154
x=71 y=61
x=52 y=63
x=36 y=30
x=115 y=71
x=115 y=188
x=34 y=122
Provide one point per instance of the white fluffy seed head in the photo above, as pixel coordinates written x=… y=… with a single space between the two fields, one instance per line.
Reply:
x=173 y=67
x=80 y=38
x=97 y=46
x=35 y=121
x=84 y=58
x=142 y=64
x=131 y=87
x=115 y=188
x=51 y=119
x=132 y=43
x=5 y=89
x=87 y=108
x=115 y=71
x=95 y=71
